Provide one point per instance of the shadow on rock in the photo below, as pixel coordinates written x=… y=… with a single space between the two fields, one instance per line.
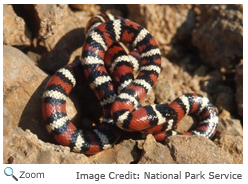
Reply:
x=31 y=117
x=60 y=55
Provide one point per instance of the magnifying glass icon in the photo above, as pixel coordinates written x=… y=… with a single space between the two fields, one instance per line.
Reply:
x=8 y=171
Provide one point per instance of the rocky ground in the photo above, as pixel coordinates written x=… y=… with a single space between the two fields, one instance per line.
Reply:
x=202 y=48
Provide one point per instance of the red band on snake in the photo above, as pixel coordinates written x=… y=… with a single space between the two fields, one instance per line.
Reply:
x=109 y=70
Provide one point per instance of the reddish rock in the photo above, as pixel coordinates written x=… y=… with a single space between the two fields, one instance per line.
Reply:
x=26 y=148
x=230 y=138
x=23 y=84
x=50 y=17
x=197 y=150
x=124 y=153
x=155 y=153
x=230 y=127
x=15 y=30
x=164 y=91
x=7 y=129
x=233 y=145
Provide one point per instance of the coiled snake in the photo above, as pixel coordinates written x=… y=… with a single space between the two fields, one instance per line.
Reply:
x=110 y=71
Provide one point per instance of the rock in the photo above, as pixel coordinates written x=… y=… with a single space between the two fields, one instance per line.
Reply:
x=7 y=127
x=225 y=101
x=7 y=121
x=230 y=127
x=164 y=22
x=124 y=153
x=224 y=115
x=239 y=88
x=233 y=145
x=155 y=153
x=92 y=9
x=210 y=80
x=15 y=30
x=50 y=16
x=23 y=85
x=164 y=92
x=49 y=35
x=201 y=71
x=149 y=100
x=196 y=150
x=219 y=35
x=230 y=138
x=104 y=157
x=186 y=123
x=26 y=148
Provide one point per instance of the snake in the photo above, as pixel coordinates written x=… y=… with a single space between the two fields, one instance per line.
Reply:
x=108 y=67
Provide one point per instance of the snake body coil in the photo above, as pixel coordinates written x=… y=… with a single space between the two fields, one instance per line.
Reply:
x=109 y=69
